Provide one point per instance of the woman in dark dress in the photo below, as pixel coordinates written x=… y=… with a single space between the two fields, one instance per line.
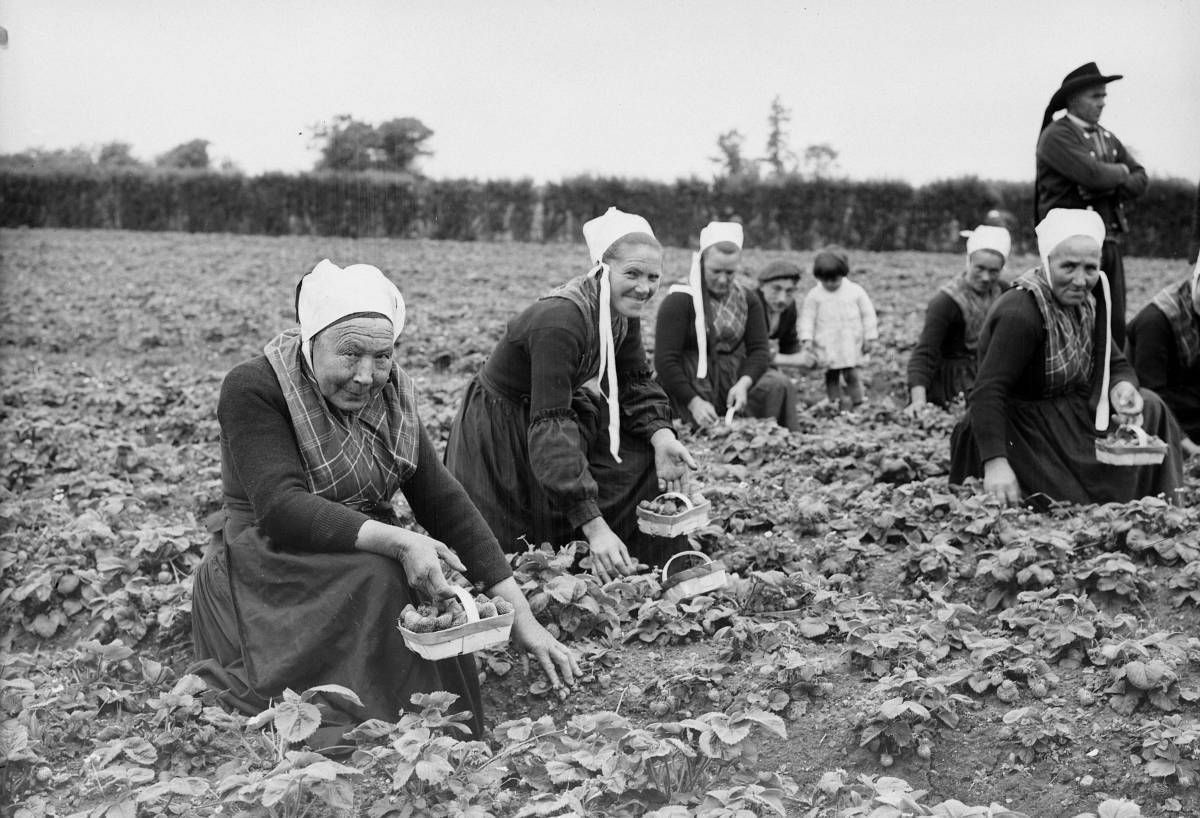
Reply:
x=942 y=365
x=564 y=431
x=1048 y=376
x=1163 y=342
x=308 y=571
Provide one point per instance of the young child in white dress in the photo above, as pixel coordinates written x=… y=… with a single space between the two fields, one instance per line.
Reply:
x=838 y=326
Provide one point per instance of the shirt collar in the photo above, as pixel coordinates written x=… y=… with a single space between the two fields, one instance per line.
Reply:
x=1086 y=126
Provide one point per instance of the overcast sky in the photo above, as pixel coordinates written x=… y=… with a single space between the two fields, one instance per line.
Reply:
x=903 y=89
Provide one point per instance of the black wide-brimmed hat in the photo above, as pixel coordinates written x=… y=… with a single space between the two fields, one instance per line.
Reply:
x=1085 y=76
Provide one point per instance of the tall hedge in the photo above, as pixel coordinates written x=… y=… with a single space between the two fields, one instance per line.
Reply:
x=788 y=212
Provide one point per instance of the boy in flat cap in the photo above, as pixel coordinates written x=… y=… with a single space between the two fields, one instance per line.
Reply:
x=1081 y=165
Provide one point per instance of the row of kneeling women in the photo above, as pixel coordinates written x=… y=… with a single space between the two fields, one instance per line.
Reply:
x=559 y=436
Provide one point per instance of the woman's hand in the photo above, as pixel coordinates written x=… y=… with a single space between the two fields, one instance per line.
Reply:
x=1126 y=399
x=610 y=558
x=1000 y=481
x=739 y=394
x=558 y=662
x=703 y=412
x=420 y=556
x=672 y=461
x=918 y=401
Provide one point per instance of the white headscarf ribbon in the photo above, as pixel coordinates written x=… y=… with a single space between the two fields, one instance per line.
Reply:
x=1059 y=225
x=600 y=234
x=330 y=293
x=713 y=233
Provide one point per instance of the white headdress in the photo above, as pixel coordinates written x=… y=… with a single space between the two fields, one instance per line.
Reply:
x=330 y=293
x=713 y=233
x=600 y=234
x=988 y=237
x=1059 y=225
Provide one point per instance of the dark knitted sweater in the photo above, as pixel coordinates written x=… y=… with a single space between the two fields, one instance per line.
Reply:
x=261 y=466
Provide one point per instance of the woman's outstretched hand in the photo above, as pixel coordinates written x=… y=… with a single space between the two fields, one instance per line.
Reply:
x=672 y=461
x=609 y=556
x=559 y=663
x=421 y=556
x=1000 y=481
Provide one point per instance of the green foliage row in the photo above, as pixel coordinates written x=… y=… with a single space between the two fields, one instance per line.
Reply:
x=789 y=212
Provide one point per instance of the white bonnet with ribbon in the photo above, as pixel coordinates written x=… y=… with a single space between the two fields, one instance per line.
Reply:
x=988 y=237
x=600 y=234
x=713 y=233
x=329 y=293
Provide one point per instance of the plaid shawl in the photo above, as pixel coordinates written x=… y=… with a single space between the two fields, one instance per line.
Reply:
x=728 y=319
x=1175 y=302
x=974 y=307
x=359 y=460
x=584 y=292
x=1069 y=341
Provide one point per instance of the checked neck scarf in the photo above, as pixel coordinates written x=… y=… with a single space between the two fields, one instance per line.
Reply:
x=1175 y=302
x=973 y=305
x=728 y=319
x=1069 y=341
x=584 y=292
x=359 y=460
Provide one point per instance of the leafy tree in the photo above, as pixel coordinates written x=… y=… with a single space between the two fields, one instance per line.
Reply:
x=117 y=155
x=732 y=161
x=820 y=160
x=779 y=156
x=193 y=154
x=350 y=144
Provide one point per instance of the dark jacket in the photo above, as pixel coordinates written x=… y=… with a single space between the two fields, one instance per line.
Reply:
x=1071 y=174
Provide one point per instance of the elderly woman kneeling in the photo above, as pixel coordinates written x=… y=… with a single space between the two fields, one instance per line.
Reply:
x=309 y=570
x=1048 y=375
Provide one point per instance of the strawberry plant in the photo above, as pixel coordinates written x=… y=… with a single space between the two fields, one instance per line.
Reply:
x=433 y=769
x=571 y=606
x=1152 y=682
x=1111 y=580
x=1035 y=734
x=1170 y=748
x=908 y=719
x=675 y=622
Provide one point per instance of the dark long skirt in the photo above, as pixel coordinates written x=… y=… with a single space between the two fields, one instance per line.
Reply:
x=265 y=618
x=488 y=452
x=1052 y=451
x=954 y=377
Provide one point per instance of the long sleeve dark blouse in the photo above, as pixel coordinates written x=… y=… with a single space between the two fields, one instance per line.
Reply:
x=544 y=358
x=261 y=465
x=1154 y=351
x=1012 y=349
x=675 y=338
x=943 y=338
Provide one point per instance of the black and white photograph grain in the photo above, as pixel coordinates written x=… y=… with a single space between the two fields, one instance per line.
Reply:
x=599 y=409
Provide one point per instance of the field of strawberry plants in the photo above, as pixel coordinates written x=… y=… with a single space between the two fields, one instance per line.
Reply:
x=887 y=645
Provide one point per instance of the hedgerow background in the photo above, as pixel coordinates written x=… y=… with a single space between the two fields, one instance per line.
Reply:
x=786 y=212
x=888 y=644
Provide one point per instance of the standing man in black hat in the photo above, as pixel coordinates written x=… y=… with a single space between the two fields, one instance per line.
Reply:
x=1083 y=166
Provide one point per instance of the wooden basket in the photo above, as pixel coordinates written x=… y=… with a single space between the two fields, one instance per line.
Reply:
x=474 y=635
x=1146 y=450
x=690 y=582
x=672 y=525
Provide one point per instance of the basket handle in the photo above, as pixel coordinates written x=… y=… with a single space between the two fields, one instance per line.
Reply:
x=667 y=564
x=687 y=501
x=468 y=602
x=1142 y=437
